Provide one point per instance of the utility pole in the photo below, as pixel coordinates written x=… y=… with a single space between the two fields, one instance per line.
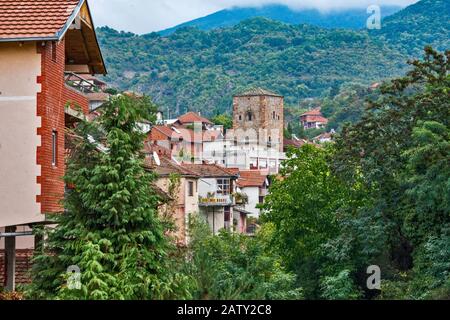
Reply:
x=10 y=261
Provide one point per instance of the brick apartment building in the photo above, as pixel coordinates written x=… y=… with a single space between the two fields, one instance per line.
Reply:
x=42 y=45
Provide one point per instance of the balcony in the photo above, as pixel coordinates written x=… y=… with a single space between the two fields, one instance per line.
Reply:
x=216 y=201
x=93 y=92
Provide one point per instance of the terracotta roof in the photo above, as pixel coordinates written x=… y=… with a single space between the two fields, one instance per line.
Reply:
x=314 y=112
x=192 y=117
x=35 y=19
x=320 y=119
x=254 y=92
x=183 y=133
x=210 y=170
x=252 y=178
x=167 y=167
x=161 y=151
x=294 y=143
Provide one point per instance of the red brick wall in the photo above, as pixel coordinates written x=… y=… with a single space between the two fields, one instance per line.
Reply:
x=23 y=266
x=52 y=100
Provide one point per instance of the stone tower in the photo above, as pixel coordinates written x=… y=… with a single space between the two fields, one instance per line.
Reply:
x=262 y=111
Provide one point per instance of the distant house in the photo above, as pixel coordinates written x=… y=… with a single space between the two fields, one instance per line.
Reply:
x=254 y=184
x=183 y=202
x=293 y=143
x=216 y=189
x=324 y=137
x=191 y=118
x=313 y=119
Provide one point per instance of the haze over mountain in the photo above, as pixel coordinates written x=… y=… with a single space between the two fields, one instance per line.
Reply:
x=200 y=70
x=343 y=18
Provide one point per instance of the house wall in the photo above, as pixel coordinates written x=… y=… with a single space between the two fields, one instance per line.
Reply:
x=253 y=200
x=52 y=101
x=184 y=206
x=20 y=67
x=32 y=102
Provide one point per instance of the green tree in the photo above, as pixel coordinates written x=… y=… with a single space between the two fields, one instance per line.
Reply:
x=223 y=119
x=303 y=206
x=399 y=154
x=110 y=228
x=234 y=267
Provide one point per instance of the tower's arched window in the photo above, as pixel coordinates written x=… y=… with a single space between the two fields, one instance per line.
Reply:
x=240 y=117
x=249 y=116
x=247 y=141
x=269 y=142
x=273 y=115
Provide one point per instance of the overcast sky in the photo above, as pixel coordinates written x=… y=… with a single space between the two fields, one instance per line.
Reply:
x=144 y=16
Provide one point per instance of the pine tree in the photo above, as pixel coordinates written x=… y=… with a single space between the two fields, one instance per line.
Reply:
x=110 y=228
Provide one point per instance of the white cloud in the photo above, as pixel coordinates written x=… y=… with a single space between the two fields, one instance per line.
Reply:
x=143 y=16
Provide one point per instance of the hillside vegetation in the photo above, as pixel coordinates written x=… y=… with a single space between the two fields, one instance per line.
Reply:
x=201 y=70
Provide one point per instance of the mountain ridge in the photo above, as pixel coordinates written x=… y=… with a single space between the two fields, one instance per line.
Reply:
x=352 y=18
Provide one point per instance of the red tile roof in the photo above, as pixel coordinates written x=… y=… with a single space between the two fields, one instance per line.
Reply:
x=319 y=119
x=192 y=117
x=210 y=170
x=294 y=143
x=252 y=178
x=29 y=19
x=167 y=167
x=314 y=112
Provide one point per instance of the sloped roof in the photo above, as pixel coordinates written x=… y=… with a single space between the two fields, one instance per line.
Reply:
x=313 y=112
x=36 y=19
x=210 y=170
x=294 y=143
x=254 y=92
x=167 y=167
x=252 y=178
x=320 y=119
x=192 y=117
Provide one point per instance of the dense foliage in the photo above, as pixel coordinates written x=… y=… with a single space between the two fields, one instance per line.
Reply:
x=110 y=228
x=233 y=267
x=201 y=70
x=379 y=196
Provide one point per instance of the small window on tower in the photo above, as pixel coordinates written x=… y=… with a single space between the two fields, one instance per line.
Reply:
x=273 y=115
x=240 y=117
x=249 y=116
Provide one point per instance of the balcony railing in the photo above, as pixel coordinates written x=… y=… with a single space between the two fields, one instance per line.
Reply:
x=79 y=83
x=216 y=201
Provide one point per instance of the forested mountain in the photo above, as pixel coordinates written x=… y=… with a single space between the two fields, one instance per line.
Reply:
x=344 y=18
x=200 y=70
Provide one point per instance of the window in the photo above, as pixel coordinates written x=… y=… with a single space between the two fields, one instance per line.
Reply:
x=247 y=141
x=240 y=117
x=261 y=200
x=54 y=148
x=223 y=186
x=269 y=143
x=273 y=115
x=249 y=116
x=191 y=188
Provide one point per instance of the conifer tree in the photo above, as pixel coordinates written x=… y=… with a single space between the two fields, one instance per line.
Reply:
x=110 y=229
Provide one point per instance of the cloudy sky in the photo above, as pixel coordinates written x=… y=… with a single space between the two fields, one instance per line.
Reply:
x=144 y=16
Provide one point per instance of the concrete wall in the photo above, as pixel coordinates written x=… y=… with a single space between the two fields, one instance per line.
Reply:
x=253 y=200
x=19 y=68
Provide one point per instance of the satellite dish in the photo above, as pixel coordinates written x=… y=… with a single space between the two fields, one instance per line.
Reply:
x=156 y=157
